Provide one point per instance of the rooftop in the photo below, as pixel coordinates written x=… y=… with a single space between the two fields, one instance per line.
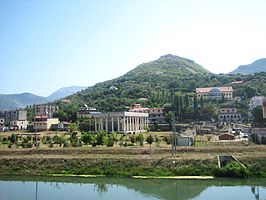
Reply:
x=208 y=89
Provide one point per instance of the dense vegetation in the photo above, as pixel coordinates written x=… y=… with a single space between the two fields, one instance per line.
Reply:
x=158 y=83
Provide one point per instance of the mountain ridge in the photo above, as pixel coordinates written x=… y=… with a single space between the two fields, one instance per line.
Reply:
x=255 y=67
x=17 y=101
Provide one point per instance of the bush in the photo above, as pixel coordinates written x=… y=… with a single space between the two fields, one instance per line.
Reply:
x=232 y=170
x=87 y=138
x=150 y=139
x=140 y=139
x=29 y=144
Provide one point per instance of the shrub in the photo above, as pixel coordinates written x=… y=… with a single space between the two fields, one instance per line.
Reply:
x=140 y=139
x=232 y=170
x=150 y=139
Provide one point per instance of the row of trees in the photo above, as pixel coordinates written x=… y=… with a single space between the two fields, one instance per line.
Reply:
x=73 y=139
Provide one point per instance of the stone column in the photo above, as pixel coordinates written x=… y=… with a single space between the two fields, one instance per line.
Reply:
x=112 y=124
x=95 y=124
x=101 y=124
x=118 y=124
x=127 y=124
x=137 y=124
x=124 y=124
x=130 y=123
x=106 y=124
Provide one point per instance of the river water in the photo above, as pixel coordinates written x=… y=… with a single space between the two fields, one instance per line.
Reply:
x=62 y=188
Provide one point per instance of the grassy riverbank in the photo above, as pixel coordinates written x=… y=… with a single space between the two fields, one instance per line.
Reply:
x=129 y=162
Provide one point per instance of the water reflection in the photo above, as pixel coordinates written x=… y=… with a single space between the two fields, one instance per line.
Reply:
x=115 y=188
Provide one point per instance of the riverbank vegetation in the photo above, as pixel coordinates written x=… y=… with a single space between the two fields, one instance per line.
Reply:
x=133 y=161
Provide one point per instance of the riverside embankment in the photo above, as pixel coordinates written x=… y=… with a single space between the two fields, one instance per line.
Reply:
x=133 y=161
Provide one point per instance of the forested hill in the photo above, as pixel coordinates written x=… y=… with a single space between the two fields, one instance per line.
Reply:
x=152 y=84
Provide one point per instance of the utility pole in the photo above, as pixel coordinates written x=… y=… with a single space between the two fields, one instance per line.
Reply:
x=36 y=144
x=173 y=134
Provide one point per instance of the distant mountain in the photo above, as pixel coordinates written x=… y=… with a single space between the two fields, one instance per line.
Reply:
x=14 y=101
x=255 y=67
x=65 y=91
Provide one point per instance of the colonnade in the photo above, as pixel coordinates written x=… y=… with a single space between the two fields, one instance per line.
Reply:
x=124 y=123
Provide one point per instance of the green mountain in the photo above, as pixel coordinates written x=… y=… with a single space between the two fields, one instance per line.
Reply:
x=255 y=67
x=168 y=73
x=14 y=101
x=152 y=84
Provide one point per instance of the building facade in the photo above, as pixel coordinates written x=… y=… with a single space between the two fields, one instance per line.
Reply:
x=45 y=109
x=15 y=119
x=155 y=114
x=229 y=115
x=43 y=123
x=215 y=93
x=126 y=122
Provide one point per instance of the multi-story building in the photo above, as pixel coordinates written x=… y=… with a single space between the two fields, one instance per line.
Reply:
x=215 y=93
x=256 y=101
x=229 y=115
x=45 y=109
x=155 y=114
x=85 y=117
x=44 y=123
x=15 y=119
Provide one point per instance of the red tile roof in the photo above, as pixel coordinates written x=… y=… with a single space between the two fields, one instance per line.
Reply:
x=208 y=89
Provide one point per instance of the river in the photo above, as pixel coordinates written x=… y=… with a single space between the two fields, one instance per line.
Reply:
x=66 y=188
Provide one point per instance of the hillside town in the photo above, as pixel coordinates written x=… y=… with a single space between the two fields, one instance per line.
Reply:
x=228 y=125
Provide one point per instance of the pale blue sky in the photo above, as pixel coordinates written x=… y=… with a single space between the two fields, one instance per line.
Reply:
x=46 y=45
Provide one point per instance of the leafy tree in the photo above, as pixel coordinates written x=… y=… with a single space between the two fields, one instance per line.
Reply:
x=110 y=141
x=101 y=138
x=258 y=117
x=73 y=127
x=155 y=125
x=195 y=102
x=150 y=139
x=140 y=139
x=13 y=138
x=59 y=140
x=87 y=138
x=132 y=139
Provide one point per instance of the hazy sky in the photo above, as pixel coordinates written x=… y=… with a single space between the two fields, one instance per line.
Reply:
x=49 y=44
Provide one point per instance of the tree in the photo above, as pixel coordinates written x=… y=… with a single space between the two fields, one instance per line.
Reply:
x=150 y=139
x=186 y=102
x=73 y=127
x=195 y=102
x=201 y=102
x=140 y=139
x=258 y=116
x=13 y=138
x=155 y=125
x=58 y=140
x=101 y=138
x=87 y=138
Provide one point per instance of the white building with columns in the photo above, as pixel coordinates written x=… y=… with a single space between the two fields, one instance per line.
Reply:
x=127 y=122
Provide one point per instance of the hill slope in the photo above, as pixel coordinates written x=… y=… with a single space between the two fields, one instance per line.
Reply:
x=255 y=67
x=65 y=91
x=14 y=101
x=152 y=84
x=145 y=81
